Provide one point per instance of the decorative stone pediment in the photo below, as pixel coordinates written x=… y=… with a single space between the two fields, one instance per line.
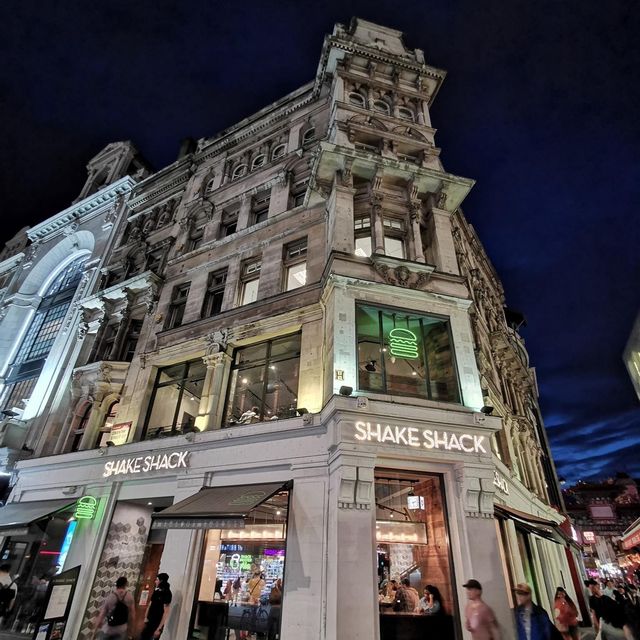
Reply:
x=401 y=273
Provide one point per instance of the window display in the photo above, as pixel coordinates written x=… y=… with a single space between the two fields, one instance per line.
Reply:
x=405 y=354
x=416 y=592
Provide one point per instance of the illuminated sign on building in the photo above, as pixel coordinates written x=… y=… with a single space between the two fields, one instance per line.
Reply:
x=420 y=438
x=86 y=508
x=500 y=483
x=393 y=532
x=403 y=344
x=144 y=464
x=589 y=537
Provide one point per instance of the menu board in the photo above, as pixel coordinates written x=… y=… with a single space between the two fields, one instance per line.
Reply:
x=57 y=605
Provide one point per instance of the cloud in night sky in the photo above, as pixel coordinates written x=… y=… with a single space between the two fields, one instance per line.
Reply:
x=540 y=107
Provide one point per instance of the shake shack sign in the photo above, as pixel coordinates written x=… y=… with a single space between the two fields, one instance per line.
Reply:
x=141 y=465
x=418 y=438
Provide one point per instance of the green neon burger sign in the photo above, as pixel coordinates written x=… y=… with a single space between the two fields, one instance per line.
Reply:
x=403 y=343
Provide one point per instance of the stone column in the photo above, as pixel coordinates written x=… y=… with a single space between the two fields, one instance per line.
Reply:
x=123 y=318
x=351 y=555
x=340 y=207
x=415 y=216
x=279 y=198
x=378 y=223
x=211 y=400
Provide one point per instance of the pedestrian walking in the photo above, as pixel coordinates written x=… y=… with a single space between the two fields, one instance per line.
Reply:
x=157 y=609
x=117 y=613
x=532 y=621
x=8 y=592
x=565 y=614
x=480 y=620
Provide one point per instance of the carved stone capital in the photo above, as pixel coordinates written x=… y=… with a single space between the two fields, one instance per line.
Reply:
x=216 y=342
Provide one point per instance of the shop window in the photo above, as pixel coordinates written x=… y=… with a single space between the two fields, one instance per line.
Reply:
x=250 y=281
x=295 y=265
x=177 y=305
x=260 y=208
x=240 y=587
x=404 y=354
x=45 y=327
x=175 y=399
x=394 y=234
x=278 y=151
x=195 y=239
x=362 y=235
x=229 y=224
x=413 y=556
x=264 y=382
x=215 y=293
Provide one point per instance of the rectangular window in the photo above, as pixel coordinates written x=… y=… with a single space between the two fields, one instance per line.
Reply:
x=404 y=354
x=250 y=281
x=260 y=208
x=175 y=399
x=412 y=550
x=155 y=261
x=295 y=264
x=195 y=239
x=362 y=236
x=177 y=305
x=264 y=382
x=228 y=224
x=107 y=342
x=131 y=340
x=215 y=293
x=299 y=192
x=394 y=232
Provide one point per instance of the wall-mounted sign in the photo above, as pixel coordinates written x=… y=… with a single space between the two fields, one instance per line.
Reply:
x=393 y=532
x=419 y=438
x=500 y=483
x=589 y=537
x=144 y=464
x=403 y=344
x=86 y=508
x=256 y=532
x=120 y=432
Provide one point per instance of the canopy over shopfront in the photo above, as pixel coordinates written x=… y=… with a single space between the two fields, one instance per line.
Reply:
x=217 y=507
x=631 y=537
x=534 y=524
x=16 y=517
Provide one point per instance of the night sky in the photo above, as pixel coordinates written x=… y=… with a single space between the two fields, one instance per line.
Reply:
x=541 y=106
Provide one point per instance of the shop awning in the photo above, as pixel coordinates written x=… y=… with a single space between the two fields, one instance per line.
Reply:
x=216 y=507
x=631 y=537
x=534 y=524
x=16 y=517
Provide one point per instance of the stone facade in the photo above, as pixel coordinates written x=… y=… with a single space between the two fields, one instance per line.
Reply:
x=327 y=202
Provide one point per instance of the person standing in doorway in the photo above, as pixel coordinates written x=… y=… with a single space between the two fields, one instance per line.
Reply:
x=117 y=613
x=532 y=621
x=8 y=593
x=481 y=621
x=157 y=609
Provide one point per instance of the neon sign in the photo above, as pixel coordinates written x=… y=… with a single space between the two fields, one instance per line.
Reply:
x=403 y=344
x=86 y=508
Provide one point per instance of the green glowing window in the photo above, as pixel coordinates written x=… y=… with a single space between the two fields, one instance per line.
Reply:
x=400 y=353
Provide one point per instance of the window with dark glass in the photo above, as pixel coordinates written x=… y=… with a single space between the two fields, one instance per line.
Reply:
x=131 y=339
x=107 y=342
x=299 y=192
x=215 y=293
x=260 y=208
x=175 y=399
x=264 y=381
x=195 y=239
x=177 y=305
x=229 y=223
x=401 y=353
x=155 y=260
x=42 y=332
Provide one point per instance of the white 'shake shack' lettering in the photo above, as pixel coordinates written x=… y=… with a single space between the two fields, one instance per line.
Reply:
x=419 y=438
x=144 y=464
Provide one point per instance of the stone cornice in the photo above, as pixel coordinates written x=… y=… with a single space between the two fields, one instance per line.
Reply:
x=153 y=191
x=81 y=210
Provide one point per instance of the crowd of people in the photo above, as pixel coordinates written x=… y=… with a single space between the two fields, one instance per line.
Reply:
x=614 y=609
x=403 y=598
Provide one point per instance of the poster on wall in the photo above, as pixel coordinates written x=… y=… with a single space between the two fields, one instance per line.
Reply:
x=57 y=604
x=120 y=432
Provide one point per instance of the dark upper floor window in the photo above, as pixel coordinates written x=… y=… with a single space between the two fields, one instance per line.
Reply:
x=155 y=260
x=381 y=106
x=239 y=171
x=264 y=381
x=402 y=353
x=131 y=339
x=278 y=151
x=309 y=136
x=260 y=208
x=258 y=161
x=357 y=99
x=299 y=192
x=196 y=237
x=406 y=114
x=177 y=305
x=229 y=223
x=215 y=293
x=175 y=399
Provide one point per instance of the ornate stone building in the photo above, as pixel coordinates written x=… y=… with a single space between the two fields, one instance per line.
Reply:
x=274 y=369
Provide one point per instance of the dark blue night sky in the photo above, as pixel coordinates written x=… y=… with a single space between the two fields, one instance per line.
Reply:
x=541 y=106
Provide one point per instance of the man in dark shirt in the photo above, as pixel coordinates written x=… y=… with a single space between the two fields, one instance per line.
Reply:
x=158 y=609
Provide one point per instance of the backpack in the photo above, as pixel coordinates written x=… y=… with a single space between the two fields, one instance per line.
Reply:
x=119 y=614
x=7 y=594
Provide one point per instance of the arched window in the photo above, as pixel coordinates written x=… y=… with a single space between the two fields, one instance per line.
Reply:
x=239 y=171
x=308 y=136
x=39 y=338
x=278 y=152
x=210 y=186
x=357 y=99
x=381 y=106
x=258 y=161
x=406 y=114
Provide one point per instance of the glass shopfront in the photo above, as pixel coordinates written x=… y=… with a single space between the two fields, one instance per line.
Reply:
x=401 y=353
x=241 y=576
x=416 y=591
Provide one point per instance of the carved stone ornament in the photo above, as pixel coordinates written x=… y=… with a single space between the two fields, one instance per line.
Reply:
x=442 y=200
x=104 y=373
x=413 y=276
x=216 y=342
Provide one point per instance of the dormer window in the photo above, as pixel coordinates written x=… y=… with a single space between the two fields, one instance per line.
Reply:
x=357 y=99
x=239 y=171
x=258 y=161
x=308 y=136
